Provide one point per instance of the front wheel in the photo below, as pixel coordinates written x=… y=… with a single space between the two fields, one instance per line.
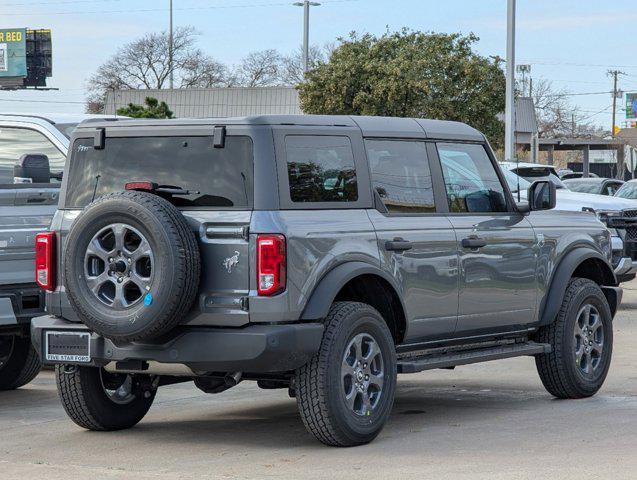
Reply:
x=19 y=363
x=346 y=392
x=98 y=400
x=582 y=343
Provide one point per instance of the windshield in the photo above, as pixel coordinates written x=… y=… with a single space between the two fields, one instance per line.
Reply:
x=583 y=186
x=627 y=190
x=513 y=180
x=535 y=174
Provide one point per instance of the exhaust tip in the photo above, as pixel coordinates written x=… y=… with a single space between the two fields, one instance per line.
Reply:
x=233 y=379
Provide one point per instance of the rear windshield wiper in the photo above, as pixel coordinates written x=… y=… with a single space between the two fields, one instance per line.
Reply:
x=160 y=189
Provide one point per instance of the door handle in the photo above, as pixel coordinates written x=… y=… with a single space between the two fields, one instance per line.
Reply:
x=398 y=245
x=473 y=242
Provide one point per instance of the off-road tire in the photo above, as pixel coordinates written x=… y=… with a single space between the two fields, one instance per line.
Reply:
x=86 y=403
x=22 y=366
x=558 y=370
x=319 y=394
x=177 y=266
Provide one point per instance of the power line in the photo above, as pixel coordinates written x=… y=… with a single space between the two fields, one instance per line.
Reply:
x=572 y=64
x=61 y=2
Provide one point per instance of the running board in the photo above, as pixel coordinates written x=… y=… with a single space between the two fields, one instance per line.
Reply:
x=453 y=359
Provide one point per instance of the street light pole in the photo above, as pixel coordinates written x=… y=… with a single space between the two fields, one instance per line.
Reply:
x=171 y=78
x=509 y=111
x=306 y=4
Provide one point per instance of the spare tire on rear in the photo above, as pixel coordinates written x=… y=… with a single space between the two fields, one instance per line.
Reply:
x=131 y=266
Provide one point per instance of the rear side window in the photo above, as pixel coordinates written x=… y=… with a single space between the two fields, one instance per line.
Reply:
x=217 y=177
x=321 y=169
x=401 y=175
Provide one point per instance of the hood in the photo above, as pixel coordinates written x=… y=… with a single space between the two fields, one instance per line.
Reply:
x=574 y=201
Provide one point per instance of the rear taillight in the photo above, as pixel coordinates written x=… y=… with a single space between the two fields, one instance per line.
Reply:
x=270 y=264
x=45 y=260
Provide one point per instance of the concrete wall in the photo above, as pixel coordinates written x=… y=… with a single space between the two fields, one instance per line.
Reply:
x=213 y=102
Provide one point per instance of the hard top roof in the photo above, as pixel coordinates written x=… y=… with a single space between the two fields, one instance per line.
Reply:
x=54 y=118
x=370 y=126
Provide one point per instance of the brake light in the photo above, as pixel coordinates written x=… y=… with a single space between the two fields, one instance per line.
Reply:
x=145 y=186
x=45 y=260
x=271 y=267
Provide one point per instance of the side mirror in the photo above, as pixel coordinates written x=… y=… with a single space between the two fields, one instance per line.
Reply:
x=542 y=195
x=32 y=168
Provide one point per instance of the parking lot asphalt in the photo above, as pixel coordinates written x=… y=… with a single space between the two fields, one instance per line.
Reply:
x=491 y=420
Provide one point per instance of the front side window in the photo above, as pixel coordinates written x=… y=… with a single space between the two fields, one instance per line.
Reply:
x=611 y=188
x=15 y=142
x=215 y=177
x=321 y=169
x=471 y=181
x=401 y=175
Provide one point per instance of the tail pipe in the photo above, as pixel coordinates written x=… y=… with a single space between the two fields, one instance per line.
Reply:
x=233 y=379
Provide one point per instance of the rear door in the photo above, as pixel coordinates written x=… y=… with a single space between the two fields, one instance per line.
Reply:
x=26 y=208
x=218 y=206
x=417 y=245
x=498 y=247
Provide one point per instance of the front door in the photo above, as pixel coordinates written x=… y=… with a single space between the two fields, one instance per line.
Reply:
x=417 y=245
x=497 y=246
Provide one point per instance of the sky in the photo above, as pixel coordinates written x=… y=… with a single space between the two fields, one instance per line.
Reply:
x=572 y=43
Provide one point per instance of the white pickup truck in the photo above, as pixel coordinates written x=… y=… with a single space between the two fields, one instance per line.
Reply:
x=619 y=214
x=32 y=156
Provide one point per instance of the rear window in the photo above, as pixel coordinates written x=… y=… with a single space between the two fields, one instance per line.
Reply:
x=217 y=177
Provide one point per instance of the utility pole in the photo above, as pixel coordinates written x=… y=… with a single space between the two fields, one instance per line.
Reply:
x=171 y=78
x=306 y=4
x=615 y=74
x=509 y=111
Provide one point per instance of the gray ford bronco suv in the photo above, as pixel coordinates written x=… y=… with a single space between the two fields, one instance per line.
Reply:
x=321 y=254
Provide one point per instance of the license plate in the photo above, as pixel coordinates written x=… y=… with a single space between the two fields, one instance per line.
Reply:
x=68 y=347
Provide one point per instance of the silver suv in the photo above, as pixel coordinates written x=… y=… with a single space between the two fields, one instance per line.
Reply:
x=321 y=254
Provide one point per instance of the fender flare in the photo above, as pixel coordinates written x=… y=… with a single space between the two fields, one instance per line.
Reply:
x=563 y=273
x=321 y=299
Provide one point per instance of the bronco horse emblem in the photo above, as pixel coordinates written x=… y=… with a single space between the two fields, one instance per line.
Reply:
x=231 y=262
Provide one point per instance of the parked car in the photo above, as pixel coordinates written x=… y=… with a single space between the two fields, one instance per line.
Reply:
x=572 y=175
x=624 y=250
x=32 y=155
x=597 y=186
x=321 y=254
x=628 y=190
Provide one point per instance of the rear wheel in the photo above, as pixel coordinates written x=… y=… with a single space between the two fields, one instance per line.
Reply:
x=19 y=363
x=98 y=400
x=346 y=392
x=582 y=341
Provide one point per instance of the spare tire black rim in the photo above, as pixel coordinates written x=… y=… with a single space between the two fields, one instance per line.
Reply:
x=118 y=266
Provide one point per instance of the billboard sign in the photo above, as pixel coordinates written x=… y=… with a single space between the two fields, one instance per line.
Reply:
x=631 y=106
x=13 y=52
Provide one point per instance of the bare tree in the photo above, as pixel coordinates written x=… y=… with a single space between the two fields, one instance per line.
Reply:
x=144 y=63
x=291 y=70
x=557 y=117
x=259 y=69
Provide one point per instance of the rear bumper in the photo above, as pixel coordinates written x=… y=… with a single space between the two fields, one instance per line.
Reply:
x=253 y=349
x=19 y=304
